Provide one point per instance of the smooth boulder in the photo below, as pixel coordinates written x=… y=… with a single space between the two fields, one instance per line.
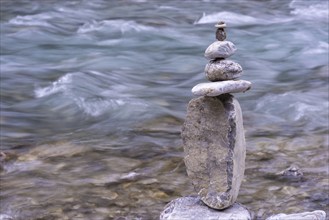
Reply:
x=218 y=70
x=215 y=149
x=192 y=208
x=221 y=87
x=220 y=49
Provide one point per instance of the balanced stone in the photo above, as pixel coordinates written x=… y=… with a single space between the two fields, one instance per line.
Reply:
x=221 y=87
x=215 y=149
x=190 y=207
x=218 y=70
x=220 y=49
x=220 y=24
x=220 y=32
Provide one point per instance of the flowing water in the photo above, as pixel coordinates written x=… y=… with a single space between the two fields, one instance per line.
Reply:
x=94 y=93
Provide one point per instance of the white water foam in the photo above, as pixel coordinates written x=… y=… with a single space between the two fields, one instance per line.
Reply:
x=238 y=19
x=58 y=86
x=320 y=48
x=121 y=25
x=32 y=20
x=229 y=17
x=91 y=105
x=310 y=9
x=303 y=107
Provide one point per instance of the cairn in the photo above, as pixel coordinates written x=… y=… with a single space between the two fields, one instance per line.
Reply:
x=213 y=134
x=214 y=143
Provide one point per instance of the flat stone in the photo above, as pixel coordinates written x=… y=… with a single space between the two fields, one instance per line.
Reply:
x=192 y=208
x=221 y=87
x=221 y=25
x=315 y=215
x=218 y=70
x=220 y=49
x=215 y=149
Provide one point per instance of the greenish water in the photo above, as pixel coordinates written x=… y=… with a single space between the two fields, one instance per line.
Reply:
x=94 y=94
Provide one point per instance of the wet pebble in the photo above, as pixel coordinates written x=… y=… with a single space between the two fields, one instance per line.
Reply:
x=121 y=164
x=148 y=181
x=60 y=149
x=292 y=172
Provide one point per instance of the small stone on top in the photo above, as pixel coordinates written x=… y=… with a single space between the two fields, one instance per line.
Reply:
x=220 y=33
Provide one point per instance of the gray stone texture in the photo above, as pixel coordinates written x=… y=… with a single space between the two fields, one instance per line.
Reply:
x=192 y=208
x=220 y=49
x=215 y=149
x=315 y=215
x=218 y=70
x=220 y=34
x=221 y=87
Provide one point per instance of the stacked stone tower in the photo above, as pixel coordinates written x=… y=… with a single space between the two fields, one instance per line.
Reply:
x=213 y=134
x=214 y=144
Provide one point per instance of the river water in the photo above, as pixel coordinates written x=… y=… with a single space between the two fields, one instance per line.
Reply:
x=94 y=94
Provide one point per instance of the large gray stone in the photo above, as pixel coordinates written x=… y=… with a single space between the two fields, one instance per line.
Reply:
x=220 y=49
x=192 y=208
x=218 y=70
x=315 y=215
x=215 y=149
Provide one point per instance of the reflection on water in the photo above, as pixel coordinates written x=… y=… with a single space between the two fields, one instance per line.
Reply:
x=94 y=93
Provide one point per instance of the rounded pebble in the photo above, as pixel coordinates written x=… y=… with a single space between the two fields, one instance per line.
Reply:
x=218 y=70
x=220 y=49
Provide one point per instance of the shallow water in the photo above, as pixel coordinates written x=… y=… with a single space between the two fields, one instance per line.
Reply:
x=94 y=93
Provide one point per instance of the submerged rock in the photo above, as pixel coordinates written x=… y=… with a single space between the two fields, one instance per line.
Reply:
x=315 y=215
x=214 y=146
x=218 y=70
x=187 y=208
x=220 y=49
x=222 y=87
x=291 y=172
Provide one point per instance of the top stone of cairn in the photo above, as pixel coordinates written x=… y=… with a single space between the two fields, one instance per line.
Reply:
x=220 y=33
x=220 y=49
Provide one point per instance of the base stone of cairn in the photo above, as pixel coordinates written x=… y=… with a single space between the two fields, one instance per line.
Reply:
x=192 y=208
x=214 y=146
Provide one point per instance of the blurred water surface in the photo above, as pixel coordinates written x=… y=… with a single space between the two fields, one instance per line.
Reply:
x=94 y=93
